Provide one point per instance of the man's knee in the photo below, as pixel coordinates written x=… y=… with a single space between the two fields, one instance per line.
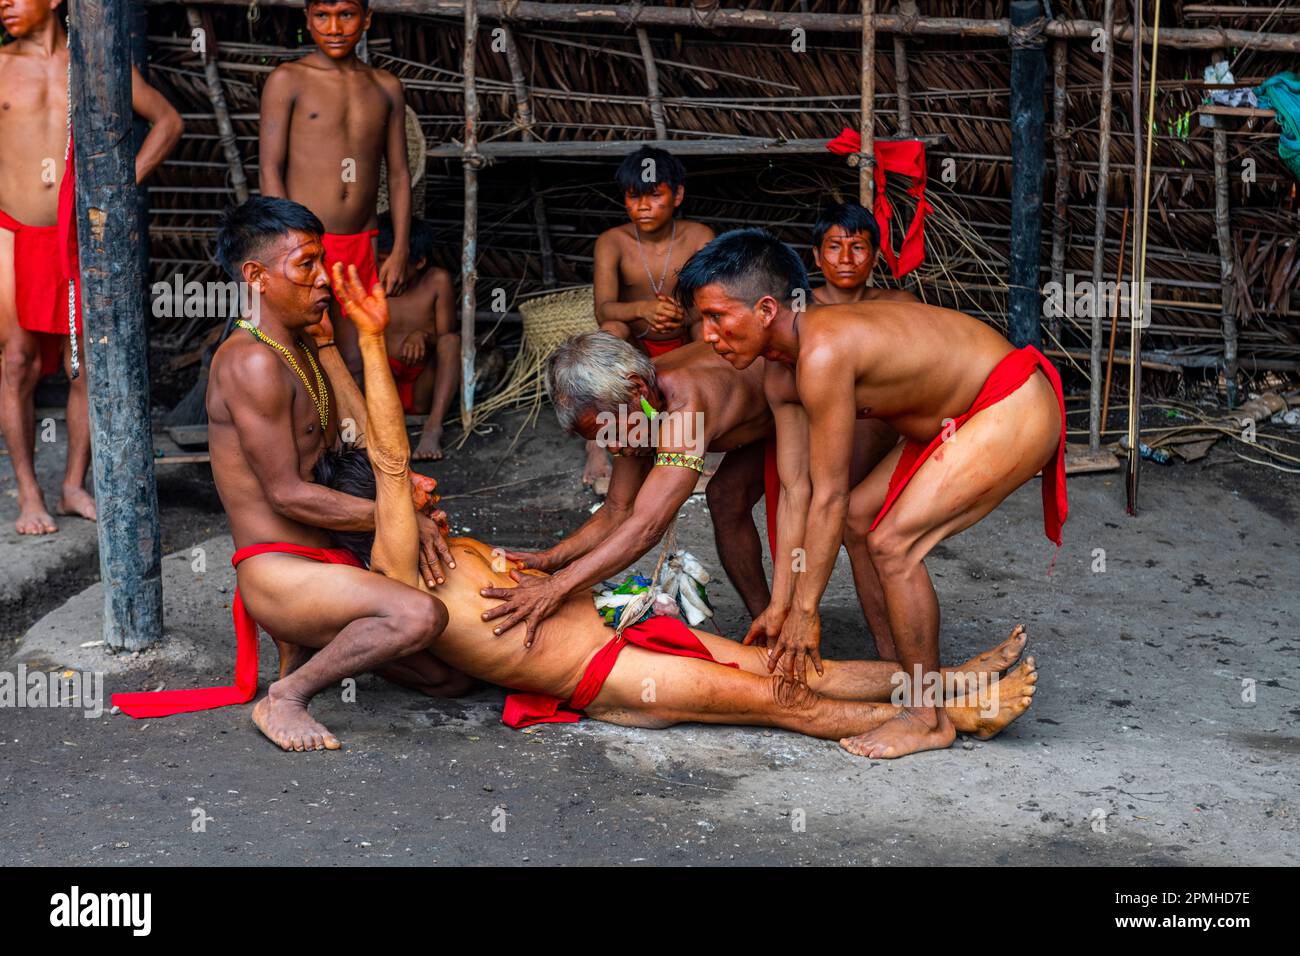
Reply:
x=22 y=362
x=891 y=552
x=790 y=696
x=417 y=621
x=857 y=524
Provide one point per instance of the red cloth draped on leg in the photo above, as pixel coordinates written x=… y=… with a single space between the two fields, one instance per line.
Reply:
x=665 y=635
x=657 y=347
x=1007 y=376
x=41 y=287
x=164 y=703
x=357 y=249
x=404 y=376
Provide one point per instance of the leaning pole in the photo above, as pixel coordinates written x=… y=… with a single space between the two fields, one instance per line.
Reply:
x=115 y=327
x=1028 y=73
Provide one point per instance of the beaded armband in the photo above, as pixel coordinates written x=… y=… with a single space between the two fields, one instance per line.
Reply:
x=677 y=459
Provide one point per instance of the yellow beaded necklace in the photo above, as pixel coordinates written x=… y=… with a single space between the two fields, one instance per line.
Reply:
x=320 y=396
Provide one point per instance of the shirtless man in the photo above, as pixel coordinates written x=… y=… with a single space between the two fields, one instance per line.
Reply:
x=423 y=325
x=846 y=246
x=34 y=296
x=938 y=378
x=702 y=404
x=326 y=122
x=636 y=265
x=275 y=404
x=578 y=664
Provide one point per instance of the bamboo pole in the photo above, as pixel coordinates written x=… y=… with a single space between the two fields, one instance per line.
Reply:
x=469 y=242
x=902 y=76
x=217 y=97
x=641 y=14
x=1060 y=222
x=1114 y=323
x=867 y=157
x=1095 y=397
x=524 y=119
x=654 y=100
x=1223 y=231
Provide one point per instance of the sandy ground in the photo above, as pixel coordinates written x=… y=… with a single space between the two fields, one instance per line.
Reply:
x=1139 y=747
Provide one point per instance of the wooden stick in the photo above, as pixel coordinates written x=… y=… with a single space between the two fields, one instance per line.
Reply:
x=867 y=127
x=1060 y=53
x=217 y=97
x=469 y=242
x=902 y=77
x=1096 y=415
x=1223 y=231
x=641 y=14
x=1114 y=320
x=654 y=100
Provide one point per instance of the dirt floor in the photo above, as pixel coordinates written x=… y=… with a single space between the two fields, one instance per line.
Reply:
x=1139 y=748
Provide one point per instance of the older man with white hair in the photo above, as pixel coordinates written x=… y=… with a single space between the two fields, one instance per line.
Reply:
x=657 y=417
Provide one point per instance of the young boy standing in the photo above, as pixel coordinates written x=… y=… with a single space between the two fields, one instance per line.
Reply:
x=327 y=121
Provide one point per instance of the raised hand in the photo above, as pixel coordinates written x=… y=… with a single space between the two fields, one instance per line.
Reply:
x=368 y=311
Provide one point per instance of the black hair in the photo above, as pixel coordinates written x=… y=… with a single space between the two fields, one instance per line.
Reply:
x=749 y=263
x=852 y=217
x=349 y=471
x=365 y=4
x=421 y=237
x=244 y=230
x=635 y=177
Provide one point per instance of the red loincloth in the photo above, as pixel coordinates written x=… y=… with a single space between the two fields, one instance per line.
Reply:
x=164 y=703
x=357 y=250
x=657 y=347
x=665 y=635
x=41 y=287
x=404 y=375
x=1007 y=376
x=771 y=491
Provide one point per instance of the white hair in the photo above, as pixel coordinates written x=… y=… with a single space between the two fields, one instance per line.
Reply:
x=590 y=372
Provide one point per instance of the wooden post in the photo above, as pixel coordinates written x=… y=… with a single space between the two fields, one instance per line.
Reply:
x=867 y=158
x=1060 y=220
x=115 y=324
x=1223 y=230
x=1095 y=399
x=217 y=97
x=140 y=129
x=469 y=242
x=652 y=84
x=524 y=120
x=902 y=78
x=1028 y=164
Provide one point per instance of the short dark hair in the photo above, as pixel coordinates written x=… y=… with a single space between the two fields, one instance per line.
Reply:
x=749 y=264
x=349 y=471
x=365 y=4
x=852 y=217
x=667 y=168
x=244 y=230
x=421 y=237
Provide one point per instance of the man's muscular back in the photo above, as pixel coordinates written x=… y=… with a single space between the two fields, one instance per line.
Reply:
x=260 y=420
x=327 y=130
x=695 y=377
x=913 y=364
x=33 y=133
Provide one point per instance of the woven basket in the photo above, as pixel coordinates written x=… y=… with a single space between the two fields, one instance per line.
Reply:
x=548 y=321
x=417 y=156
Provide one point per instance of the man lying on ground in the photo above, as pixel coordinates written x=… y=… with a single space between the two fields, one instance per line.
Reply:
x=655 y=674
x=978 y=422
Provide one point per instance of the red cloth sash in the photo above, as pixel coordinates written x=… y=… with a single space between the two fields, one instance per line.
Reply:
x=664 y=635
x=657 y=347
x=41 y=286
x=164 y=703
x=1007 y=376
x=907 y=158
x=404 y=375
x=357 y=249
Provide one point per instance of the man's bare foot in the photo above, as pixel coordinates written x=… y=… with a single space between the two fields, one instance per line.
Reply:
x=292 y=656
x=1013 y=693
x=596 y=472
x=287 y=724
x=33 y=518
x=998 y=659
x=908 y=733
x=430 y=445
x=77 y=501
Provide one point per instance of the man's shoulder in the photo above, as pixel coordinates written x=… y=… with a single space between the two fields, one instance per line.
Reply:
x=613 y=239
x=246 y=362
x=695 y=231
x=388 y=81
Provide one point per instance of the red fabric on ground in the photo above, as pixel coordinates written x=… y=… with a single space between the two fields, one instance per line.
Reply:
x=1007 y=376
x=164 y=703
x=657 y=347
x=664 y=635
x=404 y=375
x=41 y=287
x=907 y=158
x=357 y=249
